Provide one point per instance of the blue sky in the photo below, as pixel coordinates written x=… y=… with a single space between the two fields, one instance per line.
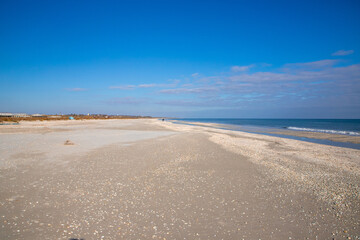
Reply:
x=246 y=59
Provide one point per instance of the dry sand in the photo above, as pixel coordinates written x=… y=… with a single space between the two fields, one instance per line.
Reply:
x=147 y=179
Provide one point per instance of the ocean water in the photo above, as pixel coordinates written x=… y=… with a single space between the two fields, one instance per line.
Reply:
x=350 y=127
x=333 y=126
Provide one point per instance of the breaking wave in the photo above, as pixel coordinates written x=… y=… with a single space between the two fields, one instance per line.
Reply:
x=324 y=131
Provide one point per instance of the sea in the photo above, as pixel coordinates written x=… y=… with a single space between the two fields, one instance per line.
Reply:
x=350 y=127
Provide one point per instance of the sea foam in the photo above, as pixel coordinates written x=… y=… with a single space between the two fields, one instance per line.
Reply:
x=325 y=131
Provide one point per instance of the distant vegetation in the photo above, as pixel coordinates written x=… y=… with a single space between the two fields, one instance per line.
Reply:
x=66 y=117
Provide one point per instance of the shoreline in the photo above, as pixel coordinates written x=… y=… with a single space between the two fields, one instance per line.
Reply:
x=330 y=139
x=318 y=135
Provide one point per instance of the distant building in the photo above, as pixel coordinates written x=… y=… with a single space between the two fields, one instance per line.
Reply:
x=6 y=114
x=19 y=115
x=37 y=115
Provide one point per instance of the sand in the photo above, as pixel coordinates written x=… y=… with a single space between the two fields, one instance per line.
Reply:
x=148 y=179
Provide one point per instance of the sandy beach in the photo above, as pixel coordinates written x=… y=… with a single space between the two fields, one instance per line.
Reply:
x=148 y=179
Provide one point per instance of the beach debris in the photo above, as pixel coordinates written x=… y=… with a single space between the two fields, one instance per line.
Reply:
x=71 y=118
x=68 y=142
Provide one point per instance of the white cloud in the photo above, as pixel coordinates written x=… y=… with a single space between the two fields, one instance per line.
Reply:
x=147 y=85
x=76 y=89
x=159 y=85
x=173 y=83
x=241 y=68
x=313 y=65
x=124 y=87
x=195 y=74
x=343 y=53
x=311 y=81
x=189 y=90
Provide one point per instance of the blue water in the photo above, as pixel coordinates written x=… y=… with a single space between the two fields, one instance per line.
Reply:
x=334 y=126
x=349 y=127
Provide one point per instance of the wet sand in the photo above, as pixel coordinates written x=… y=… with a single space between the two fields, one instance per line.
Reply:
x=326 y=136
x=147 y=179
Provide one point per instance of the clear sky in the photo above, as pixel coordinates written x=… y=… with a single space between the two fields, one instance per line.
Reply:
x=244 y=59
